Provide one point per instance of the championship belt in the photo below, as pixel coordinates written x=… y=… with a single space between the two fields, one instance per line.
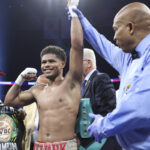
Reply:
x=10 y=137
x=82 y=123
x=83 y=119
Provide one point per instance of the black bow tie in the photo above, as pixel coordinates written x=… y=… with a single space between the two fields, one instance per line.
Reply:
x=134 y=55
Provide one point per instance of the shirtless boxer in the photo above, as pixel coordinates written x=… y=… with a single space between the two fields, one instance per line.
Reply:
x=58 y=101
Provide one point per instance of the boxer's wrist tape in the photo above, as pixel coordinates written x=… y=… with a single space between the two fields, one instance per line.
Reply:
x=19 y=81
x=73 y=14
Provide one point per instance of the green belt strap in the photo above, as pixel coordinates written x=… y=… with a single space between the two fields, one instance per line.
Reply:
x=83 y=120
x=82 y=123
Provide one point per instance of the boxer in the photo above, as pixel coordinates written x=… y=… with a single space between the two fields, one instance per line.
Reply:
x=58 y=101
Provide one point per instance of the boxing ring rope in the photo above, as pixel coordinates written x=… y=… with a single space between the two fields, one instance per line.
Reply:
x=11 y=83
x=33 y=83
x=115 y=80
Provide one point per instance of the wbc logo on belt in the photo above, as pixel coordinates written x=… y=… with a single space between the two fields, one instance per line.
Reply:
x=7 y=128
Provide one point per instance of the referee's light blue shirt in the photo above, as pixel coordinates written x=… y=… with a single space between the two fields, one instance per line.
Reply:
x=130 y=121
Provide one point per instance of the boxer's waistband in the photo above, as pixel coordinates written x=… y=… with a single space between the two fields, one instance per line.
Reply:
x=62 y=145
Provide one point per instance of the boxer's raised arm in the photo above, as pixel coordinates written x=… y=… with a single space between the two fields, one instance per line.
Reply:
x=76 y=52
x=16 y=97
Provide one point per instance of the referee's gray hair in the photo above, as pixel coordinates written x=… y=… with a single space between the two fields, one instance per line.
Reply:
x=90 y=55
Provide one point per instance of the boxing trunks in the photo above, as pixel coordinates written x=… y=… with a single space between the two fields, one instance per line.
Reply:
x=63 y=145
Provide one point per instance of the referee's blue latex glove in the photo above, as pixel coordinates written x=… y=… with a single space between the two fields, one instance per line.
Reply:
x=94 y=128
x=77 y=11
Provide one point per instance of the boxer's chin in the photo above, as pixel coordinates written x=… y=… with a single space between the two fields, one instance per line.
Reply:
x=50 y=76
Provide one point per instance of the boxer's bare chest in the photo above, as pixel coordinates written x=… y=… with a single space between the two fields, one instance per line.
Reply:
x=52 y=97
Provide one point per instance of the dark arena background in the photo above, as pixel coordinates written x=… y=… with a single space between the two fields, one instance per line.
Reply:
x=27 y=26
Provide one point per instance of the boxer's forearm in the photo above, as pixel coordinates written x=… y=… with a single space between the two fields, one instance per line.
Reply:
x=16 y=97
x=76 y=34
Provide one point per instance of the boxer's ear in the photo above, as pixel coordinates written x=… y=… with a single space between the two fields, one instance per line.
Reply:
x=63 y=64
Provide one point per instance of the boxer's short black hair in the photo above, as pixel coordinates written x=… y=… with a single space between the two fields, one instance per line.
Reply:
x=58 y=51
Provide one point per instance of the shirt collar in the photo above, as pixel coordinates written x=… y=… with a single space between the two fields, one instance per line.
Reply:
x=142 y=46
x=89 y=75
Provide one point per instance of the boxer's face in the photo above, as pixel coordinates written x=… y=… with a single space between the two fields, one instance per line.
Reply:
x=51 y=66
